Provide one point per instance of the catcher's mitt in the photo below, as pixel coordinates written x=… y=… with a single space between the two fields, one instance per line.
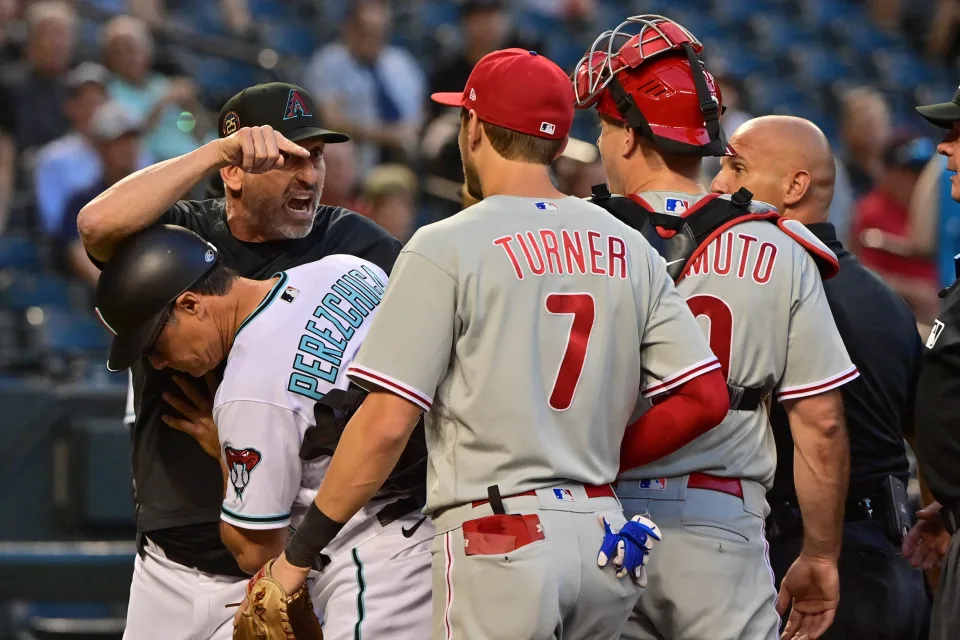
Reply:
x=272 y=615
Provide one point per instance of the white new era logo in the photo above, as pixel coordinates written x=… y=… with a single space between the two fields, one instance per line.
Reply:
x=547 y=128
x=473 y=94
x=935 y=332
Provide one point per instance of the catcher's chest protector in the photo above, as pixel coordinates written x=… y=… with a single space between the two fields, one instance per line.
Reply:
x=681 y=239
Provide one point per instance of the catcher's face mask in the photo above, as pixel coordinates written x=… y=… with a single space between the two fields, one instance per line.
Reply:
x=634 y=42
x=647 y=74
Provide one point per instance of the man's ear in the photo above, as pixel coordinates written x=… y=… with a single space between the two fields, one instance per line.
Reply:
x=190 y=304
x=630 y=141
x=797 y=188
x=232 y=177
x=474 y=130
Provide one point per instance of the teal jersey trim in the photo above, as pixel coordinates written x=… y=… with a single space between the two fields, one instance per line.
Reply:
x=255 y=519
x=270 y=297
x=361 y=588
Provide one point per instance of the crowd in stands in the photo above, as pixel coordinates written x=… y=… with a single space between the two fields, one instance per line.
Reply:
x=92 y=91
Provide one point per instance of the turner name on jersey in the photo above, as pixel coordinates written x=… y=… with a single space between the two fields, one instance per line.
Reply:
x=289 y=353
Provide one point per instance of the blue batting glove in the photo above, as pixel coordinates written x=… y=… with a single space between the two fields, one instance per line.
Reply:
x=629 y=547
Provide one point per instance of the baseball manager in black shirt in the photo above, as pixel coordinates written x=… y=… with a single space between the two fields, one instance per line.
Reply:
x=787 y=162
x=270 y=157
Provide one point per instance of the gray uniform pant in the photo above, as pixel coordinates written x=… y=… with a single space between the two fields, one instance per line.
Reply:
x=710 y=576
x=945 y=624
x=548 y=589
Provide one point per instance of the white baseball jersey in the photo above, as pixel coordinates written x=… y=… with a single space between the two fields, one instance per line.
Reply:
x=527 y=328
x=288 y=354
x=759 y=299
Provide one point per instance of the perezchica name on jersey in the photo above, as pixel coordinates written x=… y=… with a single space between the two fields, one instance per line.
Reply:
x=718 y=258
x=544 y=251
x=327 y=337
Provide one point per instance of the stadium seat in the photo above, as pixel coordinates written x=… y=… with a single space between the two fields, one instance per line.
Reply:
x=815 y=65
x=432 y=15
x=19 y=253
x=900 y=69
x=266 y=9
x=733 y=58
x=68 y=334
x=21 y=290
x=289 y=38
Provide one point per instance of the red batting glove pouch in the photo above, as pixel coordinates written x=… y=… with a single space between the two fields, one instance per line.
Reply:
x=499 y=534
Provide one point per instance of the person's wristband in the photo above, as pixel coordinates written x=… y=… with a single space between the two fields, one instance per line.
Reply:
x=315 y=532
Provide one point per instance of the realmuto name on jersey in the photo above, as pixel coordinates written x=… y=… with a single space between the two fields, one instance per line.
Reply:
x=736 y=254
x=545 y=251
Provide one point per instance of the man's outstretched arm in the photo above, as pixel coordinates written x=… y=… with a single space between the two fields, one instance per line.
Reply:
x=140 y=199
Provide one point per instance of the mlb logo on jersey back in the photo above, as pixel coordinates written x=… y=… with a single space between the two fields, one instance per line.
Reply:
x=676 y=205
x=546 y=206
x=564 y=495
x=657 y=484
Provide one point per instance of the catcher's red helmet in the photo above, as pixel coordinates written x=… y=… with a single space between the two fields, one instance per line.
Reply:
x=647 y=73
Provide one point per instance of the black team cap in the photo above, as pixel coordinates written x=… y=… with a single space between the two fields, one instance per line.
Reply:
x=147 y=273
x=944 y=114
x=287 y=108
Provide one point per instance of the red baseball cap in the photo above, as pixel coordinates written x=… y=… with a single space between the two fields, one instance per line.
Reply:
x=518 y=90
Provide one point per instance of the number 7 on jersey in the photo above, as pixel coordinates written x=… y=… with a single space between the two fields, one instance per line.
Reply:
x=584 y=311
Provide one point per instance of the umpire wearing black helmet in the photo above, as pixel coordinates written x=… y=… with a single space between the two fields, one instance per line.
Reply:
x=270 y=156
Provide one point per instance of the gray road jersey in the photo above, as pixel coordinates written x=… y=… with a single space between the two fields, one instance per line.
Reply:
x=526 y=328
x=758 y=298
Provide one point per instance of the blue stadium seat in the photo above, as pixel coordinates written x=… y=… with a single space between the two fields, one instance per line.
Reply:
x=731 y=13
x=18 y=253
x=735 y=59
x=901 y=70
x=766 y=93
x=65 y=333
x=824 y=12
x=437 y=14
x=224 y=77
x=819 y=65
x=289 y=38
x=264 y=9
x=112 y=6
x=20 y=290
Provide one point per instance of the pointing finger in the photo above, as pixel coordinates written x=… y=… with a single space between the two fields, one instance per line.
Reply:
x=270 y=145
x=290 y=147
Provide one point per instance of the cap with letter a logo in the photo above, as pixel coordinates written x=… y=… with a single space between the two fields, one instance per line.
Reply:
x=287 y=108
x=518 y=90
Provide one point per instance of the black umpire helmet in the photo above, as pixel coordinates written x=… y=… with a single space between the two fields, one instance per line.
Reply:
x=137 y=287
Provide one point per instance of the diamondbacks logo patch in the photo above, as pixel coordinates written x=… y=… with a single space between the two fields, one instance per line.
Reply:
x=241 y=463
x=231 y=122
x=296 y=107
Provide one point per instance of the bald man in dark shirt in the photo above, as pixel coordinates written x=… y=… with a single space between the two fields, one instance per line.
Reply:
x=787 y=162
